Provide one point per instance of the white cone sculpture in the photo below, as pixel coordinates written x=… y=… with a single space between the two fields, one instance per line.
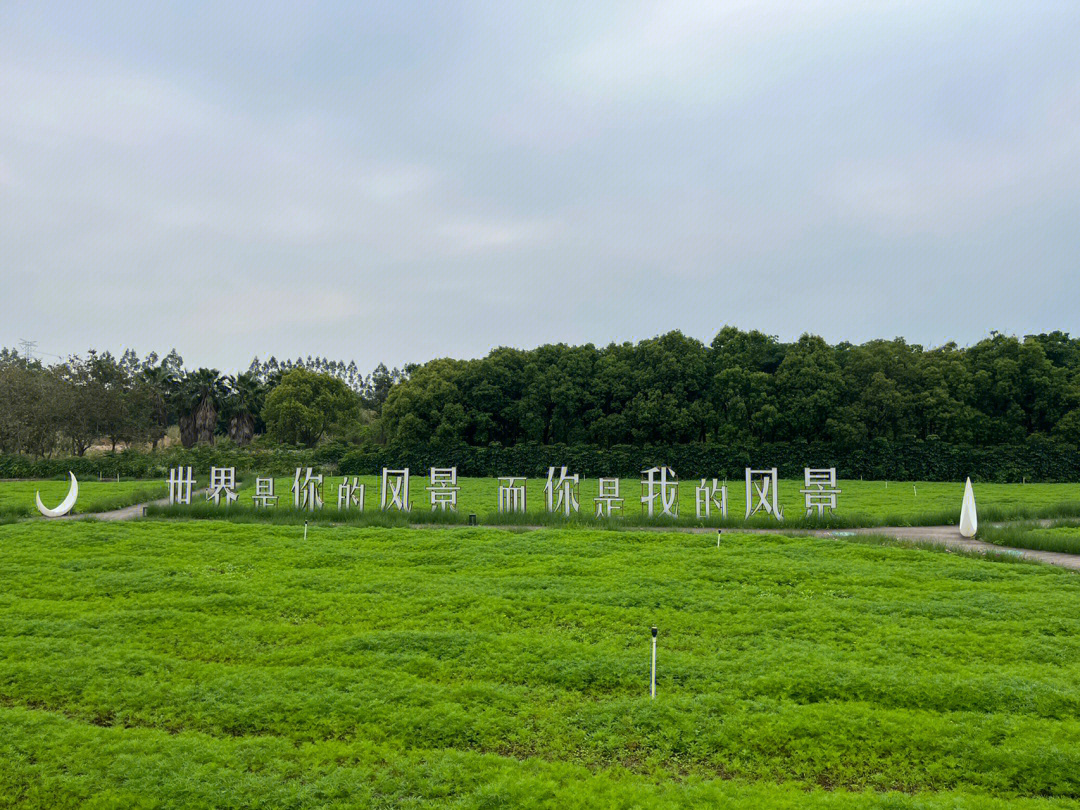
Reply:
x=969 y=520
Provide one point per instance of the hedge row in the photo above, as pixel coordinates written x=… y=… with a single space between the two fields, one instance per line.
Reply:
x=1036 y=460
x=132 y=464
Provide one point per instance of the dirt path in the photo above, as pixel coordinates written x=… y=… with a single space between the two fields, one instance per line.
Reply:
x=949 y=537
x=124 y=513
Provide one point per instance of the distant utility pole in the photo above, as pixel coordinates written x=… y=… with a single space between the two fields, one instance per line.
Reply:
x=28 y=347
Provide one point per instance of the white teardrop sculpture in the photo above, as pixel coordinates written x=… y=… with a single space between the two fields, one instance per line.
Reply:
x=65 y=505
x=969 y=520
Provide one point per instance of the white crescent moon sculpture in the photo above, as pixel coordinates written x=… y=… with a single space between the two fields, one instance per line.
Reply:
x=65 y=505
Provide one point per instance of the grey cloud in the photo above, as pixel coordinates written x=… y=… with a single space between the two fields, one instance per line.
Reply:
x=485 y=175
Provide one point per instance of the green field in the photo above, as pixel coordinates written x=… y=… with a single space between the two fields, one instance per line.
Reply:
x=211 y=664
x=17 y=497
x=861 y=502
x=1061 y=536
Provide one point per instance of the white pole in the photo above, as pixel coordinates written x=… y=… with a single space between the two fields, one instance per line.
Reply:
x=305 y=531
x=652 y=686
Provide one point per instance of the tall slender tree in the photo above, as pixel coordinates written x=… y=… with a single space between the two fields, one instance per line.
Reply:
x=243 y=402
x=208 y=391
x=160 y=382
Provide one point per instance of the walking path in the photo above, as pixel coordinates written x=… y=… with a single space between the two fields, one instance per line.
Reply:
x=950 y=537
x=947 y=536
x=125 y=513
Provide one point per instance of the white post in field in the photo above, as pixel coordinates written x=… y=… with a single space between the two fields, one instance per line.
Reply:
x=652 y=685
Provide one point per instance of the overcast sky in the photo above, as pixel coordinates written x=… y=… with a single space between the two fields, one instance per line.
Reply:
x=398 y=181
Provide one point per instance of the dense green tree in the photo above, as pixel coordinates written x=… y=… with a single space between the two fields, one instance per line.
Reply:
x=742 y=389
x=305 y=406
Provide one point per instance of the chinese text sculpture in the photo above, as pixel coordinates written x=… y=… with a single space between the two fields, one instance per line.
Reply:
x=222 y=482
x=707 y=497
x=264 y=493
x=307 y=493
x=443 y=488
x=761 y=486
x=666 y=488
x=512 y=490
x=180 y=484
x=395 y=490
x=820 y=490
x=607 y=499
x=350 y=494
x=562 y=495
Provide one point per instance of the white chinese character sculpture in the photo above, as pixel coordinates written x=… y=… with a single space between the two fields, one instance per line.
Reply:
x=764 y=484
x=562 y=495
x=706 y=497
x=607 y=498
x=350 y=494
x=512 y=494
x=666 y=488
x=395 y=490
x=222 y=482
x=821 y=497
x=264 y=493
x=307 y=494
x=443 y=488
x=180 y=484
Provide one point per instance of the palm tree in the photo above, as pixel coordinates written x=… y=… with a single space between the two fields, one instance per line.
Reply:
x=184 y=400
x=243 y=402
x=161 y=383
x=207 y=389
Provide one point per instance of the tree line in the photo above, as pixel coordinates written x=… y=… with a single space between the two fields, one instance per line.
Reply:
x=97 y=398
x=743 y=389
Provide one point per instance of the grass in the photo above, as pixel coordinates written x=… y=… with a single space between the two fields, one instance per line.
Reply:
x=1063 y=535
x=862 y=503
x=211 y=663
x=17 y=497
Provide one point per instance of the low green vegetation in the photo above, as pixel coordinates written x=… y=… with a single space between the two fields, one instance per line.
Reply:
x=862 y=503
x=1062 y=535
x=198 y=664
x=17 y=497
